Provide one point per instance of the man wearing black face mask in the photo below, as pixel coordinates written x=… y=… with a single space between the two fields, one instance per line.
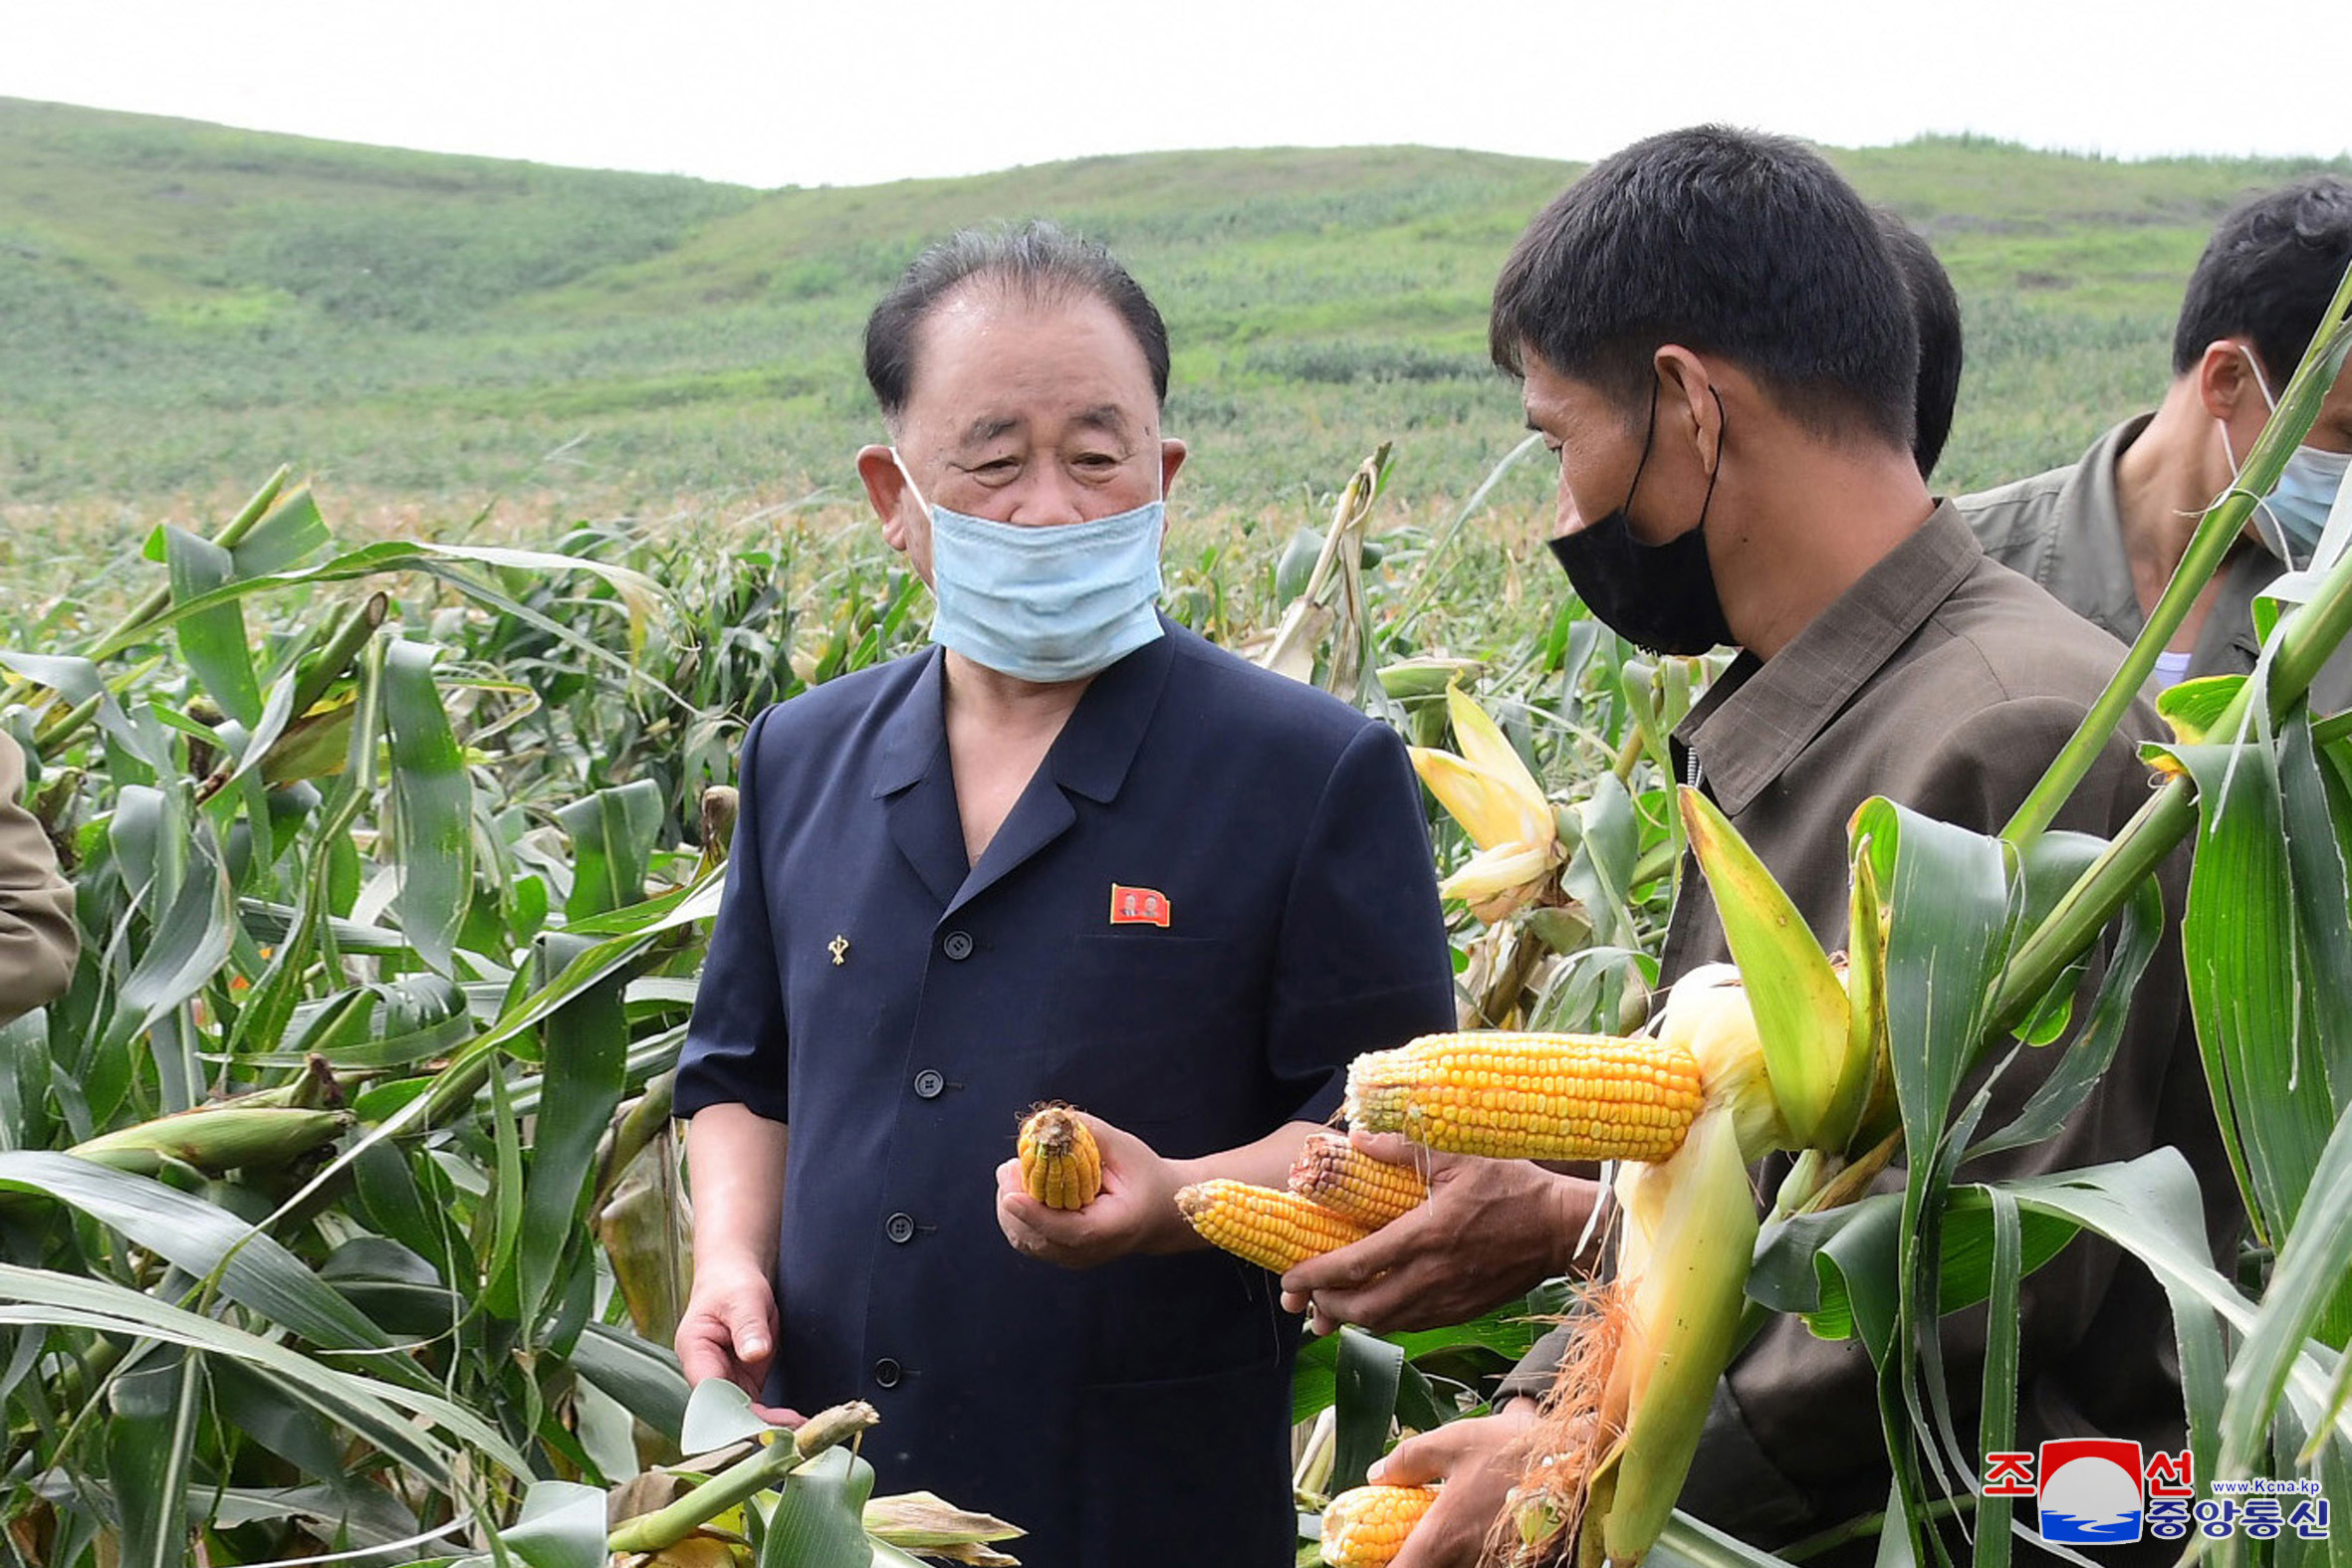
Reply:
x=1712 y=334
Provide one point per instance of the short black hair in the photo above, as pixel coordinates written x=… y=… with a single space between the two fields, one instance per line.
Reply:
x=1728 y=242
x=2268 y=274
x=1935 y=310
x=1039 y=260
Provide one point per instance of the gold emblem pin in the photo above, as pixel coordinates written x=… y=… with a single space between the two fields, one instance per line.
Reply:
x=839 y=946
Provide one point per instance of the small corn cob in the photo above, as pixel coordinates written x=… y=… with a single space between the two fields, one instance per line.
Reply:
x=1365 y=1527
x=1059 y=1162
x=1530 y=1096
x=1273 y=1229
x=217 y=1138
x=1349 y=1181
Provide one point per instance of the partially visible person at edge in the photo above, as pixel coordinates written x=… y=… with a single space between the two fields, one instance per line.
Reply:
x=2104 y=535
x=38 y=939
x=1069 y=852
x=1421 y=1272
x=1709 y=329
x=1935 y=312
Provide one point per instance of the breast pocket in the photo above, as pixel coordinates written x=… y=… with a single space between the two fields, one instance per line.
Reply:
x=1150 y=1030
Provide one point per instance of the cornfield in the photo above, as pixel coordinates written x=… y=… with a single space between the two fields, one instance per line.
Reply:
x=341 y=1207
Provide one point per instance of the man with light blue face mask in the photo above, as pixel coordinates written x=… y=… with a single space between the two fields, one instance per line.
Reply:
x=1070 y=853
x=2105 y=534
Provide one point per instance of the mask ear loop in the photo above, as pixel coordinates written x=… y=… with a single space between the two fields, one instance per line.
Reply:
x=1649 y=435
x=900 y=463
x=2274 y=535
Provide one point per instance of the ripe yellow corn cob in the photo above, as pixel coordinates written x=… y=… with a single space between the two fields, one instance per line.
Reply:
x=1273 y=1229
x=1368 y=1526
x=1059 y=1162
x=1530 y=1096
x=1349 y=1181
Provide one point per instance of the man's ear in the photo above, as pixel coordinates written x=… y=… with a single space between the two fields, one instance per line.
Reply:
x=887 y=491
x=1688 y=403
x=1172 y=456
x=2225 y=378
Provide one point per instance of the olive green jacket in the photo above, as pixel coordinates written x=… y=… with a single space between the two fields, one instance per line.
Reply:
x=2064 y=529
x=37 y=935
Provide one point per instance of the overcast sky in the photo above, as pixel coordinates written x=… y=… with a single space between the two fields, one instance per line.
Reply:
x=790 y=91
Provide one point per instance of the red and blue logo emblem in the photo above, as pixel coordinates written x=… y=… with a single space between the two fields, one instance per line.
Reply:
x=2093 y=1491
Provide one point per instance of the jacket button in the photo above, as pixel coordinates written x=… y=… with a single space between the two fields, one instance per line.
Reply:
x=887 y=1373
x=899 y=1227
x=957 y=945
x=929 y=1084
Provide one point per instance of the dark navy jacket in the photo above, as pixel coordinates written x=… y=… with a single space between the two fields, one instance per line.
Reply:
x=1135 y=1414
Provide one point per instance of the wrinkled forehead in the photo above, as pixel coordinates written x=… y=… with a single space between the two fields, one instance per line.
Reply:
x=990 y=360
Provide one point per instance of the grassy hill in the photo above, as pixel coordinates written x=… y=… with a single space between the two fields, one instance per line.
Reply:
x=182 y=306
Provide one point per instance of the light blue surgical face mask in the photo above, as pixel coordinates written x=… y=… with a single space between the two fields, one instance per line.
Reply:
x=2306 y=491
x=1049 y=603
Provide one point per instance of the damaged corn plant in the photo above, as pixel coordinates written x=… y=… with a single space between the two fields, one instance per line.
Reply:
x=338 y=1197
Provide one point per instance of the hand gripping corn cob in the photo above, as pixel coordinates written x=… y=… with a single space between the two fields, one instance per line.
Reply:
x=1345 y=1180
x=1276 y=1231
x=1059 y=1162
x=1366 y=1526
x=1605 y=1467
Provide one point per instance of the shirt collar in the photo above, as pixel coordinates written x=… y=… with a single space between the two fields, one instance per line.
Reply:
x=1092 y=755
x=1760 y=714
x=2082 y=562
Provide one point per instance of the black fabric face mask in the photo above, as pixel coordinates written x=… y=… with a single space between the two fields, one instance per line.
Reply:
x=1658 y=596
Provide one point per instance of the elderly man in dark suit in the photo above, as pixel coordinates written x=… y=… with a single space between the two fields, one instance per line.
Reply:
x=1071 y=852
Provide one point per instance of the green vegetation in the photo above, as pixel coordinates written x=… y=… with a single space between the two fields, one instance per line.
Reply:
x=408 y=844
x=178 y=298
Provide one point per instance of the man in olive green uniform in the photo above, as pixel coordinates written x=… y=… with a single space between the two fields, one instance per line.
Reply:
x=36 y=940
x=1710 y=333
x=2104 y=535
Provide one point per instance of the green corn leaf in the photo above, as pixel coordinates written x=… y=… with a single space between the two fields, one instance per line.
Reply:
x=561 y=1525
x=640 y=594
x=191 y=941
x=255 y=1271
x=1998 y=1420
x=2193 y=708
x=1952 y=906
x=2314 y=1262
x=1600 y=874
x=287 y=1428
x=717 y=1415
x=1502 y=1335
x=612 y=837
x=586 y=1049
x=1802 y=1022
x=642 y=1377
x=378 y=1411
x=433 y=806
x=503 y=1294
x=150 y=1449
x=2264 y=985
x=2094 y=1048
x=1368 y=1371
x=289 y=533
x=1688 y=1542
x=458 y=1082
x=820 y=1515
x=213 y=641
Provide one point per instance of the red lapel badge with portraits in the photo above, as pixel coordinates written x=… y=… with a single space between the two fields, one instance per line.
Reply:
x=1138 y=906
